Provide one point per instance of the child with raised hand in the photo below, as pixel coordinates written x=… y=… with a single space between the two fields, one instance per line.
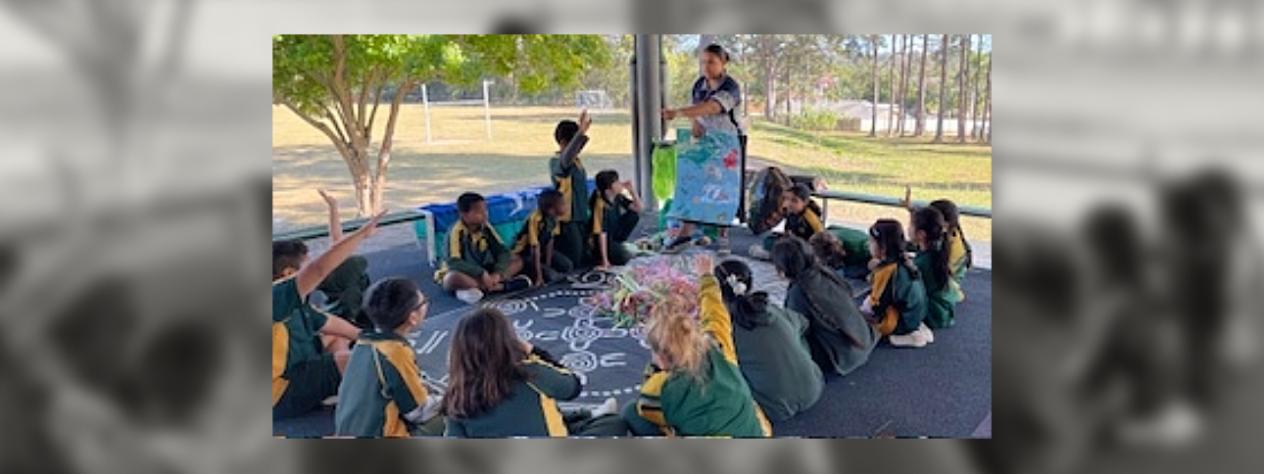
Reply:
x=382 y=393
x=770 y=345
x=536 y=241
x=615 y=212
x=500 y=386
x=478 y=261
x=928 y=230
x=307 y=369
x=566 y=170
x=839 y=337
x=693 y=386
x=897 y=300
x=344 y=287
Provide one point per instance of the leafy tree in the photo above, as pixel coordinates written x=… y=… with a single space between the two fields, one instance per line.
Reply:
x=336 y=83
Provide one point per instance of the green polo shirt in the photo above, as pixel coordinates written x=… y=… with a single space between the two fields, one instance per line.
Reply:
x=474 y=252
x=530 y=410
x=294 y=333
x=381 y=388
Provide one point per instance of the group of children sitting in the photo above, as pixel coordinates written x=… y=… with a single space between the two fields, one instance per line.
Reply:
x=569 y=228
x=724 y=362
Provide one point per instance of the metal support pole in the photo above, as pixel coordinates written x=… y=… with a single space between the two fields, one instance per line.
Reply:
x=648 y=111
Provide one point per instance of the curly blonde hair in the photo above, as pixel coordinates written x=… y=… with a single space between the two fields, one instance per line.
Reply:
x=674 y=334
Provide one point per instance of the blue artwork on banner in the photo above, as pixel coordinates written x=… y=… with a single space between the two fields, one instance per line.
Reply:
x=708 y=179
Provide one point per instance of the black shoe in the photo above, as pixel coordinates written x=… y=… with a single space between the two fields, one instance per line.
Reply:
x=518 y=283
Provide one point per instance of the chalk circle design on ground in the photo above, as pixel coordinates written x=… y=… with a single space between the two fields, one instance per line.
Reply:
x=608 y=360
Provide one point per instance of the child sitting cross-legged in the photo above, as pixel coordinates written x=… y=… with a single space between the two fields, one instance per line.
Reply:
x=478 y=261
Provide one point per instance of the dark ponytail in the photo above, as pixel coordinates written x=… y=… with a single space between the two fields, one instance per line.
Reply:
x=930 y=221
x=747 y=307
x=952 y=217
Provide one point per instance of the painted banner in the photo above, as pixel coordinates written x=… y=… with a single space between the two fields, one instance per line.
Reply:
x=708 y=179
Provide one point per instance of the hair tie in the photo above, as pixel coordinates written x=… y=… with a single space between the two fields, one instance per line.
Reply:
x=738 y=287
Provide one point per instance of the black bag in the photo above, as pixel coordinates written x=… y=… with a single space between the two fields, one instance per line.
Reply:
x=764 y=199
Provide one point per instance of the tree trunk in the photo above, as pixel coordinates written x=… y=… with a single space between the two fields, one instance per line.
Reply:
x=905 y=67
x=976 y=124
x=963 y=94
x=873 y=122
x=943 y=87
x=987 y=109
x=770 y=89
x=895 y=51
x=921 y=92
x=789 y=96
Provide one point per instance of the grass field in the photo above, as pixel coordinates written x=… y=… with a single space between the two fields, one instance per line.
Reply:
x=461 y=158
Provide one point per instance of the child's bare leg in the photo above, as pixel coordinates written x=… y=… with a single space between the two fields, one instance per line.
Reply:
x=340 y=359
x=514 y=268
x=455 y=281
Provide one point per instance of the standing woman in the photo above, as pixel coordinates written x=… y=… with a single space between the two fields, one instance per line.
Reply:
x=716 y=96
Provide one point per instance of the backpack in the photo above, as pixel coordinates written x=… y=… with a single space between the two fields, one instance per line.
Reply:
x=764 y=199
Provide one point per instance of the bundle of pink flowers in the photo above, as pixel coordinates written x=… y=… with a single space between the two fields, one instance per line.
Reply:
x=645 y=282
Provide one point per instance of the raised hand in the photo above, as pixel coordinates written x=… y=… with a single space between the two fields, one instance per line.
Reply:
x=370 y=227
x=584 y=121
x=329 y=200
x=907 y=202
x=703 y=264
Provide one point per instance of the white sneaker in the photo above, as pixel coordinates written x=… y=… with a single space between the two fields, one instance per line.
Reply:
x=912 y=339
x=926 y=333
x=470 y=296
x=757 y=251
x=329 y=401
x=608 y=407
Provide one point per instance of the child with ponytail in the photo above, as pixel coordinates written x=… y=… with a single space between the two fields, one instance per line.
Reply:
x=928 y=230
x=770 y=344
x=897 y=301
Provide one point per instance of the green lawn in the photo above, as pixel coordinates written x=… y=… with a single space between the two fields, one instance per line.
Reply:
x=461 y=158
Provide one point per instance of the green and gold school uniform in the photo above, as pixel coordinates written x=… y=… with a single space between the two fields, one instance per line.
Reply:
x=941 y=296
x=615 y=219
x=959 y=256
x=675 y=403
x=803 y=225
x=898 y=296
x=566 y=170
x=778 y=366
x=531 y=410
x=381 y=393
x=539 y=231
x=473 y=252
x=302 y=373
